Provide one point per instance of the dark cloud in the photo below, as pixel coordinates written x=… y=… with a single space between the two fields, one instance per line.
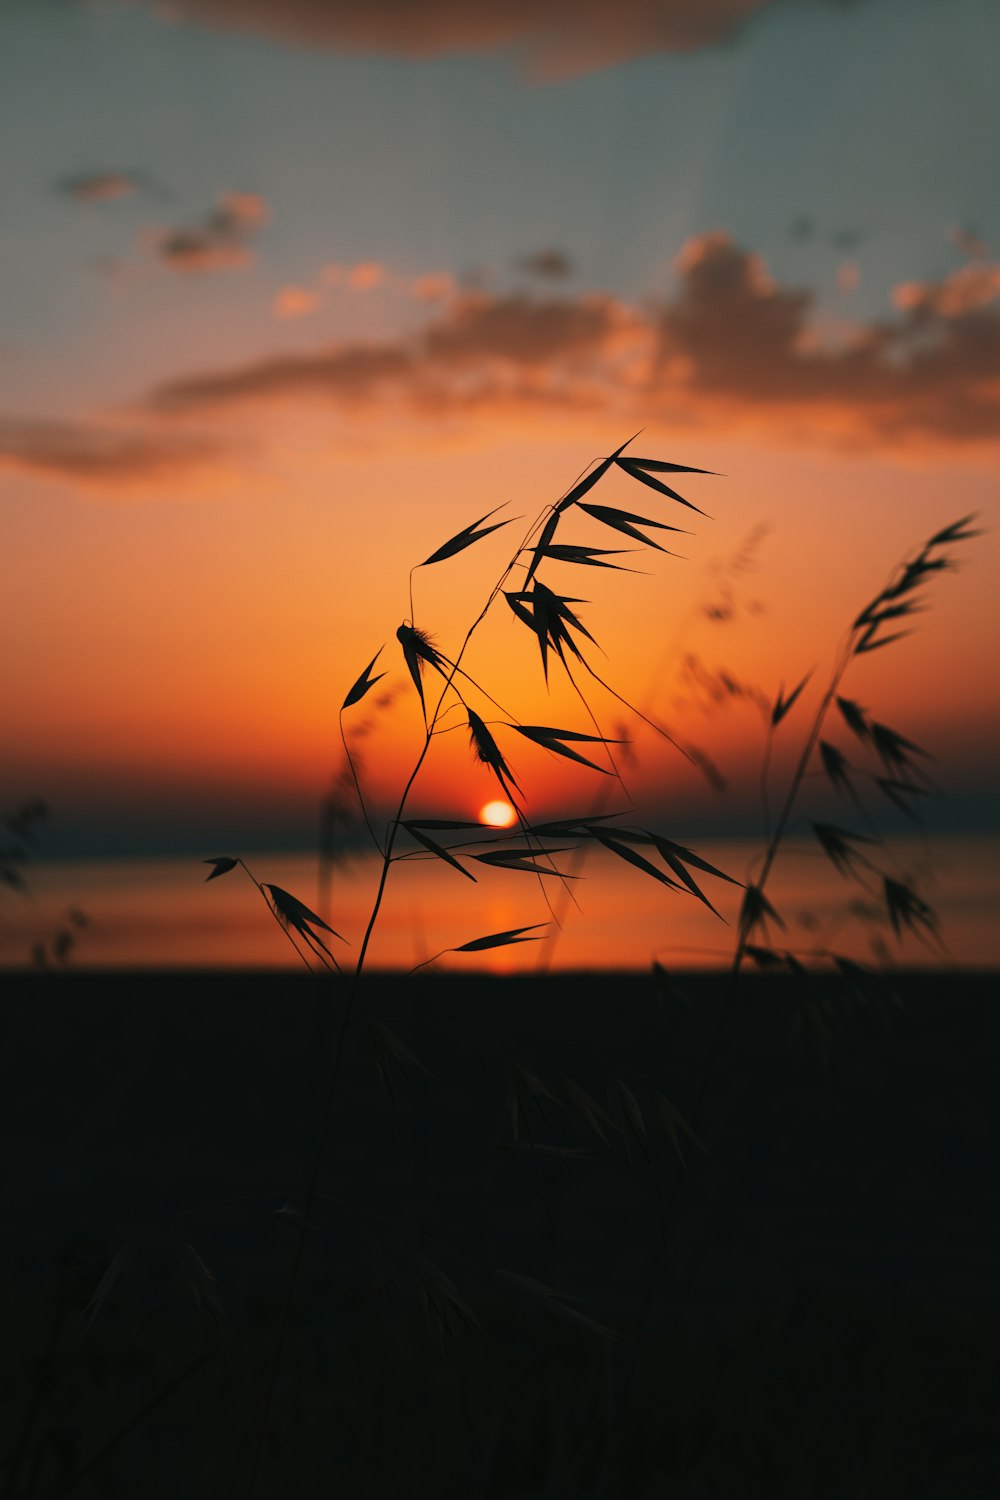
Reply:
x=221 y=242
x=846 y=239
x=730 y=344
x=104 y=455
x=521 y=330
x=969 y=241
x=349 y=373
x=802 y=227
x=558 y=37
x=100 y=187
x=970 y=289
x=931 y=374
x=733 y=328
x=550 y=263
x=731 y=334
x=479 y=335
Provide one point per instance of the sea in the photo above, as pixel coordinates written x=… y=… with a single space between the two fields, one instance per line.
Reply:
x=163 y=913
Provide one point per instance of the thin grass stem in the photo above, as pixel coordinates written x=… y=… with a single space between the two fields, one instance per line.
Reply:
x=330 y=1093
x=357 y=783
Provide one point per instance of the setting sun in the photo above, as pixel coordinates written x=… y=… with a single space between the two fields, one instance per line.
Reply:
x=497 y=814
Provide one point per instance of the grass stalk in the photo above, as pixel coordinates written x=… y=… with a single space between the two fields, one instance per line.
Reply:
x=895 y=603
x=794 y=787
x=552 y=623
x=861 y=636
x=348 y=1017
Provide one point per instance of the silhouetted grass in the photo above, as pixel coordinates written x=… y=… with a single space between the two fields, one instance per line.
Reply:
x=444 y=686
x=20 y=830
x=897 y=774
x=568 y=1114
x=560 y=636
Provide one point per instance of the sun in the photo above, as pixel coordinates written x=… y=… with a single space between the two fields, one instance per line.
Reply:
x=497 y=814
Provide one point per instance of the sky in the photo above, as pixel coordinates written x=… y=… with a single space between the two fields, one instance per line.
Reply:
x=292 y=293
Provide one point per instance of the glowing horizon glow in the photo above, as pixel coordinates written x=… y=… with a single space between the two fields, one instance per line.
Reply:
x=497 y=814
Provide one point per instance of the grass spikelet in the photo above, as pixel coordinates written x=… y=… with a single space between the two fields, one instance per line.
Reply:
x=783 y=705
x=437 y=849
x=293 y=915
x=641 y=472
x=755 y=913
x=365 y=682
x=105 y=1287
x=556 y=1303
x=204 y=1287
x=465 y=538
x=627 y=1113
x=525 y=1088
x=499 y=939
x=552 y=739
x=392 y=1056
x=418 y=649
x=675 y=1125
x=522 y=859
x=588 y=1109
x=448 y=1313
x=837 y=844
x=627 y=522
x=906 y=909
x=631 y=856
x=487 y=751
x=854 y=717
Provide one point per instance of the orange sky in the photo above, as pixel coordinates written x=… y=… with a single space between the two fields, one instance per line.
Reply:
x=194 y=656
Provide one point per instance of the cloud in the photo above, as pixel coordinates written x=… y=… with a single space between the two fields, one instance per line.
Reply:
x=846 y=239
x=729 y=328
x=969 y=242
x=100 y=187
x=238 y=213
x=966 y=290
x=518 y=330
x=295 y=302
x=738 y=341
x=364 y=276
x=549 y=263
x=346 y=374
x=729 y=345
x=556 y=37
x=848 y=276
x=100 y=455
x=220 y=243
x=482 y=349
x=433 y=286
x=192 y=251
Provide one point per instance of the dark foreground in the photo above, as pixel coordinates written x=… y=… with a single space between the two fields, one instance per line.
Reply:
x=807 y=1309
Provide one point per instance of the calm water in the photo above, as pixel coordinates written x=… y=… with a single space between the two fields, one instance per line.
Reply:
x=159 y=913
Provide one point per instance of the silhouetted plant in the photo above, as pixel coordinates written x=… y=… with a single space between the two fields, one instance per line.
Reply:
x=55 y=950
x=21 y=828
x=559 y=634
x=900 y=778
x=893 y=767
x=444 y=686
